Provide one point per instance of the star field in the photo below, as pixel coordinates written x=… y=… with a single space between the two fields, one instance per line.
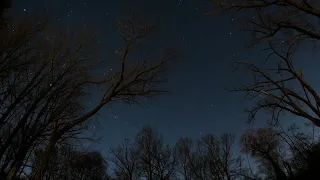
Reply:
x=199 y=101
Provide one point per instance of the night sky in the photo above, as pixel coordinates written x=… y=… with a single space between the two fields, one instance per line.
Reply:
x=198 y=80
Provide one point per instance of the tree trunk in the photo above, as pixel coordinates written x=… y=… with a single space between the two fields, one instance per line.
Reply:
x=44 y=163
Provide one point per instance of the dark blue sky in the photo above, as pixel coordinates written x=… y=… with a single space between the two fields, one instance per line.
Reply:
x=199 y=80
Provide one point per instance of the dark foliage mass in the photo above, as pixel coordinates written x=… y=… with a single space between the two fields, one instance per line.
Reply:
x=44 y=83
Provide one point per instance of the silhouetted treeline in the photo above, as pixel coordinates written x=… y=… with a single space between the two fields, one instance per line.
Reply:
x=264 y=153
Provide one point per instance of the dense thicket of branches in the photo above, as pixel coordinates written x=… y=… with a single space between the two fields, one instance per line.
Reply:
x=44 y=78
x=68 y=163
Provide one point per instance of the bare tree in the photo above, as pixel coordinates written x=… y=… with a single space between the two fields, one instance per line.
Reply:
x=276 y=20
x=184 y=148
x=283 y=25
x=282 y=153
x=210 y=157
x=44 y=79
x=272 y=90
x=125 y=158
x=263 y=144
x=223 y=164
x=36 y=92
x=127 y=84
x=18 y=83
x=155 y=159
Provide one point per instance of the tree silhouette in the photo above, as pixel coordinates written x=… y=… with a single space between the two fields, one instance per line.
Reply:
x=279 y=153
x=211 y=157
x=185 y=149
x=155 y=159
x=68 y=163
x=44 y=78
x=282 y=154
x=282 y=25
x=125 y=158
x=309 y=168
x=263 y=144
x=89 y=165
x=4 y=5
x=127 y=84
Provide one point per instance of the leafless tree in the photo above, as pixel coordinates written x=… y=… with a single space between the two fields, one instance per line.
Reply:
x=263 y=144
x=35 y=91
x=44 y=79
x=281 y=89
x=185 y=148
x=211 y=157
x=127 y=84
x=223 y=163
x=282 y=153
x=125 y=158
x=276 y=20
x=155 y=159
x=282 y=25
x=278 y=153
